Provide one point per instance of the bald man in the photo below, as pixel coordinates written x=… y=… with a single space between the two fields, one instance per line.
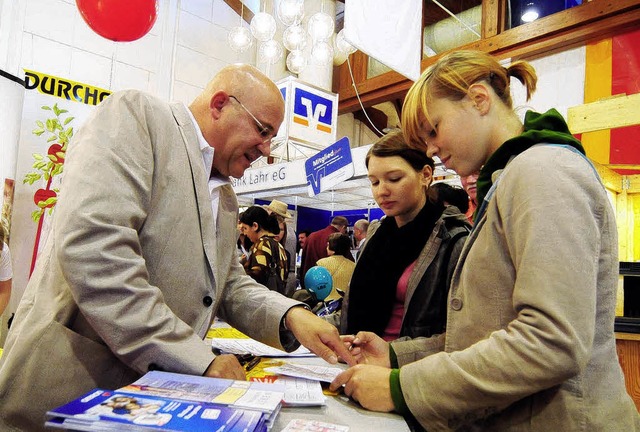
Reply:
x=142 y=256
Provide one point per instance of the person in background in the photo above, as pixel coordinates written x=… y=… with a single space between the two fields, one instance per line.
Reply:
x=6 y=273
x=141 y=256
x=401 y=280
x=302 y=239
x=450 y=195
x=287 y=238
x=316 y=244
x=262 y=229
x=529 y=342
x=340 y=264
x=469 y=184
x=244 y=244
x=360 y=234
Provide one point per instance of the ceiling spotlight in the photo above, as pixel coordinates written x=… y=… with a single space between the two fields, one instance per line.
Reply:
x=530 y=12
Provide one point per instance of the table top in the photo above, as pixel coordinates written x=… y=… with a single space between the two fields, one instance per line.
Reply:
x=340 y=410
x=343 y=411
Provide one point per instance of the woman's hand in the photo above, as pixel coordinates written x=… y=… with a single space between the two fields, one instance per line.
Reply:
x=368 y=348
x=368 y=385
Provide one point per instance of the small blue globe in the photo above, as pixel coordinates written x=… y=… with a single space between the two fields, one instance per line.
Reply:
x=318 y=281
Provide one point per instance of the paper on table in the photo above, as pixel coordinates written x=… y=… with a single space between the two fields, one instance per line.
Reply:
x=229 y=340
x=302 y=392
x=304 y=425
x=317 y=373
x=251 y=346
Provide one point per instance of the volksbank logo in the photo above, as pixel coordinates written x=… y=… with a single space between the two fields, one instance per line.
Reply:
x=312 y=110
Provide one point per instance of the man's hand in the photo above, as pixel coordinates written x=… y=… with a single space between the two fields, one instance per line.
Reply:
x=367 y=385
x=368 y=348
x=226 y=366
x=318 y=335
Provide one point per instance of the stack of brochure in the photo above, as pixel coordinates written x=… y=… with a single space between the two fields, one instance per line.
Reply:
x=163 y=401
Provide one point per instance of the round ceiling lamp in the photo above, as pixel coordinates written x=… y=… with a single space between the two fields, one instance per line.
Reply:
x=320 y=26
x=296 y=61
x=270 y=52
x=322 y=53
x=290 y=12
x=342 y=45
x=239 y=39
x=294 y=38
x=263 y=26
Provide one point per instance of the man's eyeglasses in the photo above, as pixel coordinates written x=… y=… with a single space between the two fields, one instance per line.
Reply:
x=266 y=132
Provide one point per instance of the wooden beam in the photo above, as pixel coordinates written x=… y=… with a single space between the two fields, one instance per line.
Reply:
x=624 y=167
x=590 y=21
x=241 y=9
x=376 y=116
x=614 y=112
x=611 y=179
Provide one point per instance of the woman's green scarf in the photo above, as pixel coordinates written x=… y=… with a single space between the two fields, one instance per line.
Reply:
x=547 y=127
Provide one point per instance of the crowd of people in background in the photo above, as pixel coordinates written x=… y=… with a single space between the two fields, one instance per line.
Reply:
x=337 y=250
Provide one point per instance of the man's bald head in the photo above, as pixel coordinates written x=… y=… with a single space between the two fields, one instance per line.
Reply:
x=238 y=112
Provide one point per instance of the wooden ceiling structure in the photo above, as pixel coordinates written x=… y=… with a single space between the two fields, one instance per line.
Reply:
x=591 y=21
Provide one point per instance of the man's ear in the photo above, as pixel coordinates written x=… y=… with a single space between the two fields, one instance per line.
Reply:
x=427 y=175
x=480 y=97
x=217 y=101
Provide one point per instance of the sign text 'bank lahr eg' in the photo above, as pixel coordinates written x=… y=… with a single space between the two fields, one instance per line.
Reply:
x=270 y=177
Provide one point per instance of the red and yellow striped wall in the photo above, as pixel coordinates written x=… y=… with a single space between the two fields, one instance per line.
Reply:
x=612 y=70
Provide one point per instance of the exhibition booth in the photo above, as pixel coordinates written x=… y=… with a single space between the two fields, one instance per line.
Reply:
x=60 y=59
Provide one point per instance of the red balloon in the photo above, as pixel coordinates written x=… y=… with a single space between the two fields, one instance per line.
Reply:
x=119 y=20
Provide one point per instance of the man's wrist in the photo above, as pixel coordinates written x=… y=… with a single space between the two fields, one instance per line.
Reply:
x=284 y=317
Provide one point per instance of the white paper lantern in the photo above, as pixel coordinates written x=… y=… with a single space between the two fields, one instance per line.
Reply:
x=263 y=26
x=294 y=38
x=240 y=39
x=270 y=52
x=342 y=44
x=322 y=53
x=321 y=26
x=291 y=12
x=296 y=61
x=339 y=56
